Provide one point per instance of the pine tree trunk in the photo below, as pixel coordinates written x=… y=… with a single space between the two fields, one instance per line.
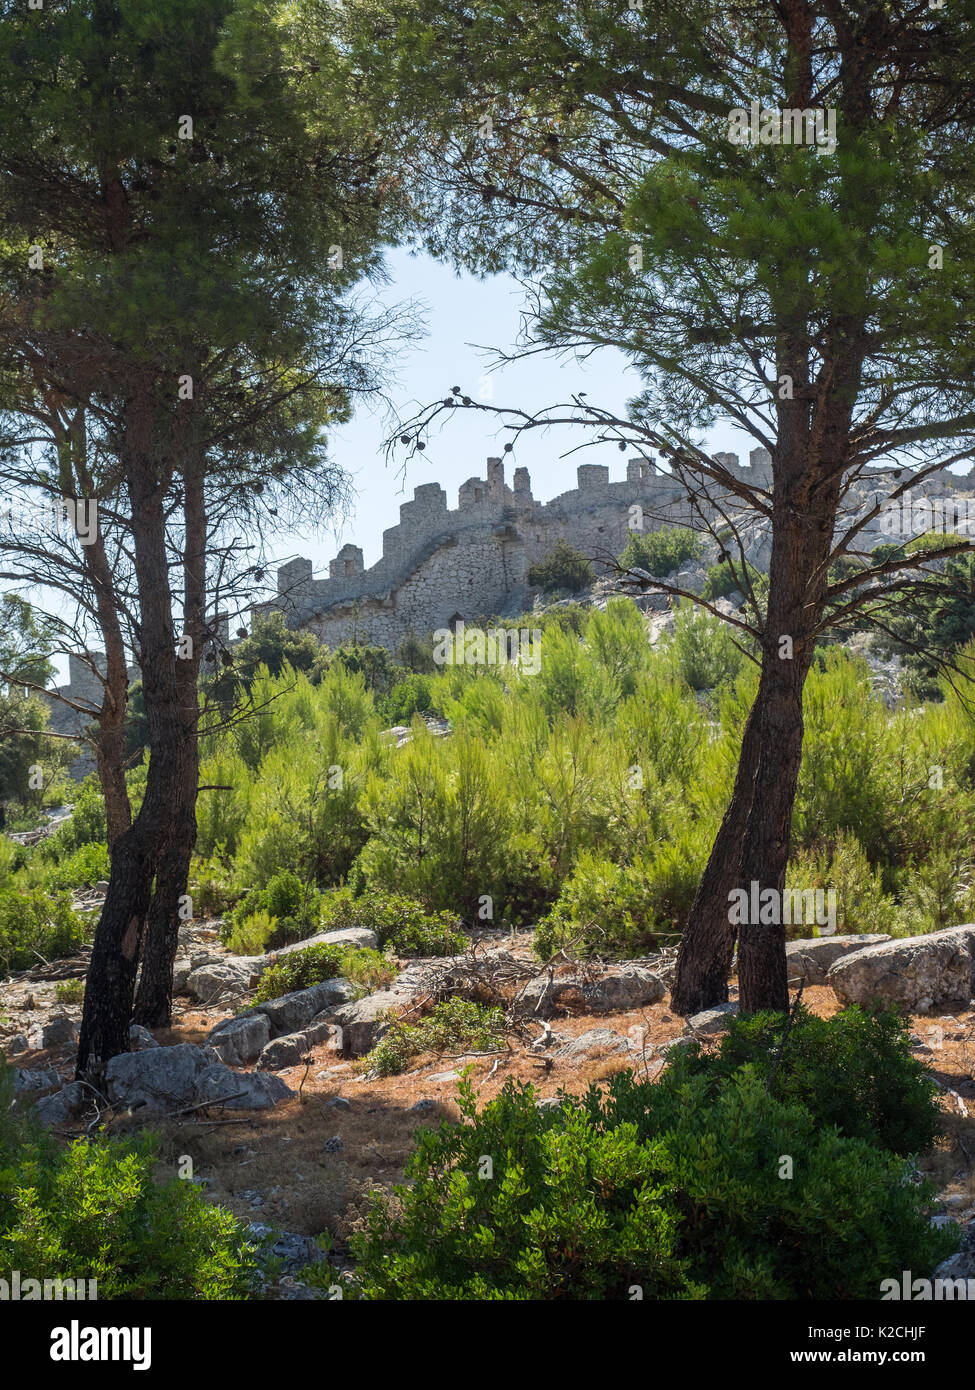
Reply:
x=118 y=938
x=154 y=1000
x=708 y=942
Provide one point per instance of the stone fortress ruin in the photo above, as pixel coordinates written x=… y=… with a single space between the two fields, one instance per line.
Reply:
x=440 y=566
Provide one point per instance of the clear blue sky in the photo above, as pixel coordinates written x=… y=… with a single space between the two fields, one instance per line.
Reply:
x=462 y=313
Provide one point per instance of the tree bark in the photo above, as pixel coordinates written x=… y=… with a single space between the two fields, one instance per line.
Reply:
x=708 y=941
x=154 y=1000
x=115 y=952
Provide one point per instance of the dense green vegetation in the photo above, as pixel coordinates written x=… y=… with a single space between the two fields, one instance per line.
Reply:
x=94 y=1211
x=720 y=1180
x=661 y=552
x=631 y=753
x=564 y=567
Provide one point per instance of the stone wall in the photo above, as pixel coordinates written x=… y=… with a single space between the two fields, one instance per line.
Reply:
x=438 y=565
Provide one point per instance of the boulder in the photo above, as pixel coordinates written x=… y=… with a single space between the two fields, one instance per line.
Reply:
x=595 y=1040
x=60 y=1108
x=620 y=988
x=27 y=1079
x=292 y=1012
x=225 y=977
x=160 y=1078
x=240 y=1090
x=181 y=974
x=294 y=1251
x=53 y=1033
x=140 y=1039
x=812 y=957
x=239 y=1040
x=350 y=936
x=18 y=1044
x=362 y=1022
x=288 y=1051
x=916 y=972
x=714 y=1020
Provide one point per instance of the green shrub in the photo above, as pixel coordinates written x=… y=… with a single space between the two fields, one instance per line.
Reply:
x=400 y=923
x=93 y=1211
x=34 y=924
x=83 y=868
x=250 y=935
x=618 y=909
x=284 y=911
x=701 y=649
x=456 y=1025
x=210 y=883
x=414 y=695
x=367 y=969
x=688 y=1200
x=299 y=970
x=86 y=824
x=70 y=992
x=563 y=567
x=723 y=579
x=661 y=552
x=854 y=1071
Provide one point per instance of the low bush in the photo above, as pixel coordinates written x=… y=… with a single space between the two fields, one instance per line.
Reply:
x=678 y=1190
x=456 y=1025
x=618 y=909
x=369 y=970
x=34 y=924
x=70 y=992
x=83 y=868
x=282 y=912
x=661 y=552
x=564 y=567
x=413 y=695
x=402 y=924
x=94 y=1211
x=854 y=1071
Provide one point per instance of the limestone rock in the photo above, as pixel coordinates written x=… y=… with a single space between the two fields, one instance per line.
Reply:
x=60 y=1108
x=160 y=1078
x=287 y=1051
x=714 y=1020
x=813 y=956
x=362 y=1022
x=916 y=972
x=140 y=1039
x=28 y=1079
x=240 y=1040
x=292 y=1012
x=53 y=1033
x=226 y=976
x=250 y=1090
x=349 y=936
x=620 y=988
x=293 y=1250
x=595 y=1040
x=181 y=974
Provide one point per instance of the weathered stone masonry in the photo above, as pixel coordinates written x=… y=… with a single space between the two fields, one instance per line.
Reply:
x=438 y=565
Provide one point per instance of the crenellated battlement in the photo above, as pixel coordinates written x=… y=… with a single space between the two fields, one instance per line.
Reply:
x=438 y=563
